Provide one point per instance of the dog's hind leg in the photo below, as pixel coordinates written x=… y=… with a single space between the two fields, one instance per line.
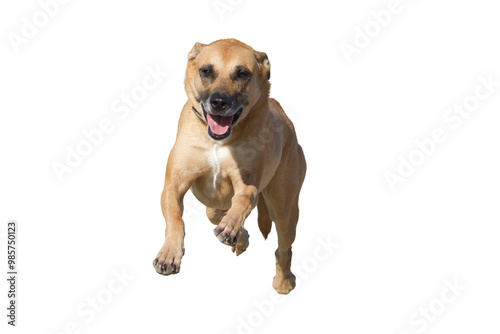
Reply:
x=286 y=224
x=242 y=243
x=215 y=216
x=282 y=199
x=264 y=219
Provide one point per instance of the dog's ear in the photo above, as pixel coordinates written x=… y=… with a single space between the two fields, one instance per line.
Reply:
x=264 y=64
x=195 y=50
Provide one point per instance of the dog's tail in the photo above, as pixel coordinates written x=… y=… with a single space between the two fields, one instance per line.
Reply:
x=265 y=222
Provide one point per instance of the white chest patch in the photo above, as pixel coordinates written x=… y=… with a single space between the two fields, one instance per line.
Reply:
x=216 y=157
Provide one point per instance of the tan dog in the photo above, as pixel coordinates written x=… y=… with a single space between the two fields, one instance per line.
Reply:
x=235 y=149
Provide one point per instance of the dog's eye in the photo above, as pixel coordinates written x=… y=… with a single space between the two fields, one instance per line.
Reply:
x=206 y=71
x=242 y=74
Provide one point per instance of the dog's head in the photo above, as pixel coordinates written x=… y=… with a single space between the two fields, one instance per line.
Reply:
x=224 y=80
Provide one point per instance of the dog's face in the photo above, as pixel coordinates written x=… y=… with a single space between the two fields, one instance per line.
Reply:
x=224 y=80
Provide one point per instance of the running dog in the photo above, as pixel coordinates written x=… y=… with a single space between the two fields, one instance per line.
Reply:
x=235 y=149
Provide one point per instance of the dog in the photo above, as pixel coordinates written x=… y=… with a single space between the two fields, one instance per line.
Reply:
x=235 y=149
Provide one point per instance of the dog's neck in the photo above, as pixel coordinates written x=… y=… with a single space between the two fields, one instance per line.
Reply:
x=258 y=110
x=197 y=113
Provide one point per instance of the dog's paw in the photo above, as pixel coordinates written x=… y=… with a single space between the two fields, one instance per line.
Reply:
x=168 y=260
x=229 y=230
x=242 y=243
x=284 y=285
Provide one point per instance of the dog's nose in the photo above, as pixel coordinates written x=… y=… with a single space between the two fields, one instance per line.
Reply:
x=219 y=102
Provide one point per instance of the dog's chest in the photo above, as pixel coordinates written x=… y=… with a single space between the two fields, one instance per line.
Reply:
x=216 y=158
x=214 y=188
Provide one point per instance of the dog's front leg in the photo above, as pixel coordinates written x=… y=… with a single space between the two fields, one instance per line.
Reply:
x=168 y=260
x=230 y=230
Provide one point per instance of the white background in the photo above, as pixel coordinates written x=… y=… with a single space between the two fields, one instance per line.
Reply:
x=353 y=120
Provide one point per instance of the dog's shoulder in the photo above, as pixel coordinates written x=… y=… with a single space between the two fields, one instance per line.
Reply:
x=277 y=110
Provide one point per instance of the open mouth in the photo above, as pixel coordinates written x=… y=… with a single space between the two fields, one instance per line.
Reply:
x=219 y=127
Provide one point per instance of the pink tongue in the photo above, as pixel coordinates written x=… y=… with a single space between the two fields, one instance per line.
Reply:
x=219 y=124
